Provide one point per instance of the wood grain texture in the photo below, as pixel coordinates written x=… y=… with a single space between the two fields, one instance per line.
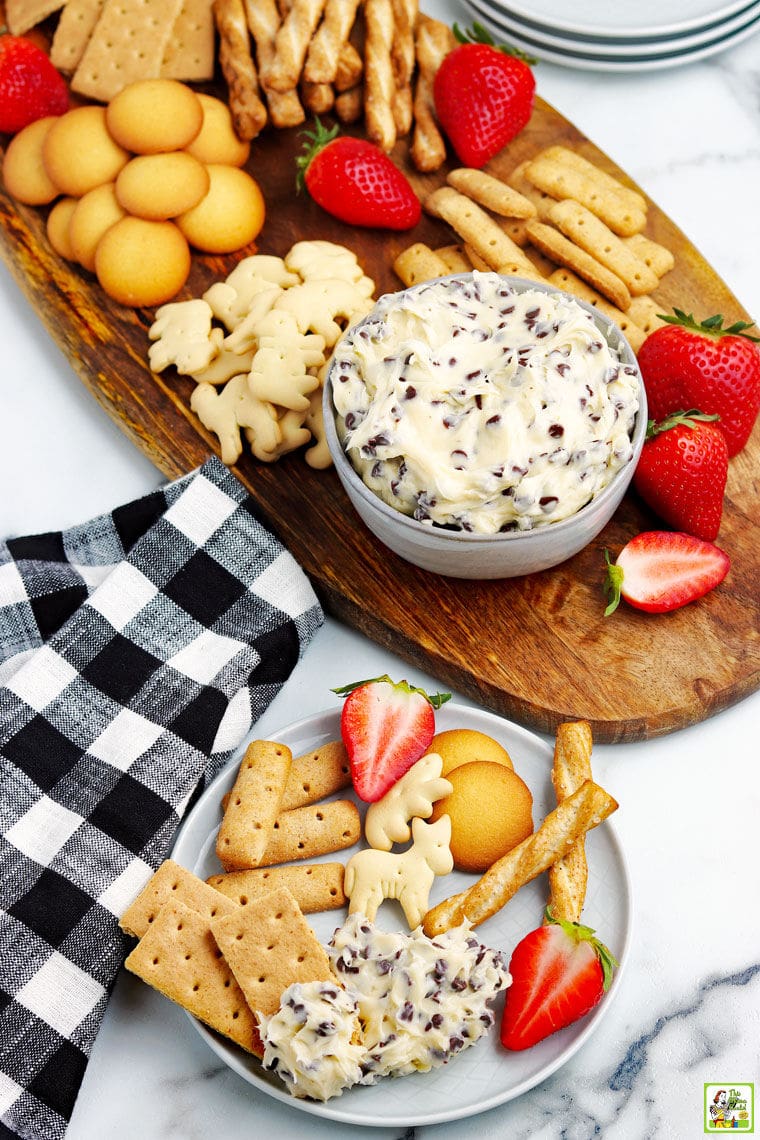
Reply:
x=537 y=649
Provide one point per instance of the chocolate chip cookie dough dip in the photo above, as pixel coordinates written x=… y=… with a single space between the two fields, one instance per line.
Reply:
x=468 y=404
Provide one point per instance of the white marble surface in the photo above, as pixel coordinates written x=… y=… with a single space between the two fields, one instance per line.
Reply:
x=688 y=1011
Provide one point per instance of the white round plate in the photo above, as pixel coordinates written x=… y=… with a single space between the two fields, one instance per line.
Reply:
x=593 y=61
x=623 y=50
x=648 y=19
x=485 y=1075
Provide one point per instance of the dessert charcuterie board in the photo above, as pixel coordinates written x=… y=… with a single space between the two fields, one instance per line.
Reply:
x=536 y=649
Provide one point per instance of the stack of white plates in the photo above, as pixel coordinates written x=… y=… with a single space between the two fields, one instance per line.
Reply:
x=604 y=36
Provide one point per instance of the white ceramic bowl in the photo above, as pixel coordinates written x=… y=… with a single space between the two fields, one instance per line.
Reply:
x=460 y=554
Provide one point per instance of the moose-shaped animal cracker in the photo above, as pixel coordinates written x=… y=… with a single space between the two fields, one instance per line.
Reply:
x=372 y=876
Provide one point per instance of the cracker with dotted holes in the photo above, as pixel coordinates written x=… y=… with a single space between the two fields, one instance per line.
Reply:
x=269 y=945
x=127 y=43
x=226 y=411
x=315 y=774
x=563 y=174
x=248 y=822
x=169 y=883
x=316 y=887
x=497 y=196
x=658 y=257
x=476 y=228
x=306 y=832
x=563 y=251
x=182 y=335
x=591 y=234
x=418 y=262
x=179 y=957
x=564 y=279
x=280 y=369
x=73 y=30
x=412 y=796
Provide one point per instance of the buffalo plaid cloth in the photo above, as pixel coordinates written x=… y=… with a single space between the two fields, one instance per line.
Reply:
x=136 y=651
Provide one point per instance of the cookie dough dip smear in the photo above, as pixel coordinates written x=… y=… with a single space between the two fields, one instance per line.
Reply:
x=466 y=404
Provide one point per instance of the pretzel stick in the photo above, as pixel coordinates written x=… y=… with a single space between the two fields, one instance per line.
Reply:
x=403 y=59
x=568 y=877
x=291 y=43
x=350 y=68
x=249 y=114
x=319 y=98
x=324 y=51
x=349 y=105
x=285 y=108
x=433 y=41
x=379 y=84
x=584 y=809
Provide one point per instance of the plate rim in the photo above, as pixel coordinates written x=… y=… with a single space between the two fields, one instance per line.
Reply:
x=619 y=50
x=730 y=8
x=332 y=1110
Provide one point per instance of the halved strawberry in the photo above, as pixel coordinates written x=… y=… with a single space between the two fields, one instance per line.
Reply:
x=661 y=570
x=386 y=727
x=559 y=973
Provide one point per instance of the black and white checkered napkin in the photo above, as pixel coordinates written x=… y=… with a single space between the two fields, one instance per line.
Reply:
x=137 y=651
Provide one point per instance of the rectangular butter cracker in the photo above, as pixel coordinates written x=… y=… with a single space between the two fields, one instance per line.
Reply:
x=315 y=886
x=253 y=805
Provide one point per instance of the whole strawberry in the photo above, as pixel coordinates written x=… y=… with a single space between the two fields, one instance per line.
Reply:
x=686 y=364
x=30 y=87
x=682 y=472
x=355 y=181
x=483 y=95
x=560 y=971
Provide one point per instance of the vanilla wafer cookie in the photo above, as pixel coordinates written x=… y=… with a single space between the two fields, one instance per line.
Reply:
x=248 y=822
x=314 y=886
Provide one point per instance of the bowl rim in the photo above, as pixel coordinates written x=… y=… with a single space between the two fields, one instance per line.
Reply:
x=345 y=467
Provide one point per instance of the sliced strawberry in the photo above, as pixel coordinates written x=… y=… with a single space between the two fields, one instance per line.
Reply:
x=559 y=973
x=661 y=570
x=386 y=727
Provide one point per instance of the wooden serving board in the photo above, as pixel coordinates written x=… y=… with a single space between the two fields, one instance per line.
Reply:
x=536 y=649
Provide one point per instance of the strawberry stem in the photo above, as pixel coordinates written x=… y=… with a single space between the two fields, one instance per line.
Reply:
x=712 y=326
x=477 y=34
x=316 y=140
x=436 y=700
x=688 y=419
x=613 y=584
x=580 y=933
